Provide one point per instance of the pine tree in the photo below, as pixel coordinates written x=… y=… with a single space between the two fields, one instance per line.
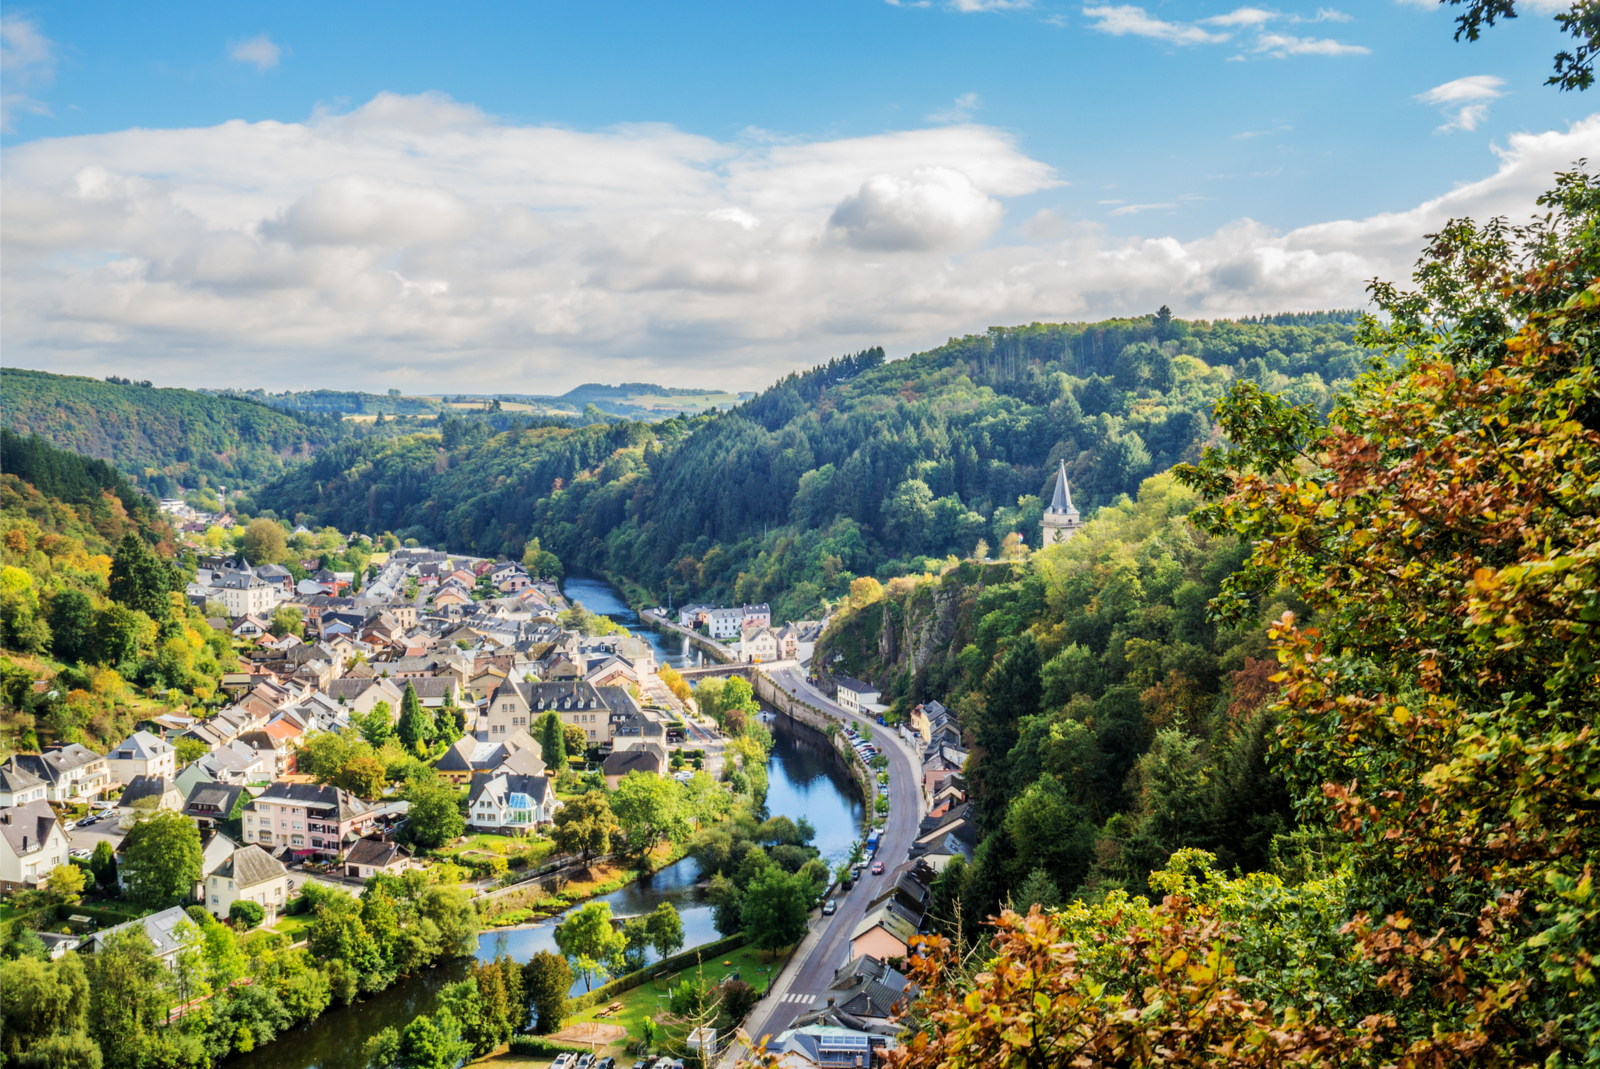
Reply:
x=552 y=744
x=416 y=723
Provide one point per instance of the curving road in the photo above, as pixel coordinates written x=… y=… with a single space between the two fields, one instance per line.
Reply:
x=828 y=946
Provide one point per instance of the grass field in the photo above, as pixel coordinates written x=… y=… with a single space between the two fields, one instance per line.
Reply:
x=650 y=999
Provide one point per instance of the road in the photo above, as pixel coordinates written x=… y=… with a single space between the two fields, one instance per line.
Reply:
x=828 y=946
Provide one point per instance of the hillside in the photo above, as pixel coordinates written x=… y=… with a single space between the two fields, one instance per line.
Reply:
x=860 y=467
x=162 y=438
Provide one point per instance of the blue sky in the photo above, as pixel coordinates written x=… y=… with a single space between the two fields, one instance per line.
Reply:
x=885 y=174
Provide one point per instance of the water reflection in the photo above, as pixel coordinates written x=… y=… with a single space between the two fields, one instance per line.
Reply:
x=599 y=596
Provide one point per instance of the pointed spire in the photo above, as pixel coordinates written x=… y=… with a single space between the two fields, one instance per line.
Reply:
x=1063 y=499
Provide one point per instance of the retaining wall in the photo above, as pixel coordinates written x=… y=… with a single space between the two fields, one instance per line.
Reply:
x=830 y=727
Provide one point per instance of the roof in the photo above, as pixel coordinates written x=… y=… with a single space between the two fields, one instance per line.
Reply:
x=220 y=795
x=16 y=779
x=50 y=765
x=311 y=794
x=140 y=746
x=376 y=853
x=161 y=928
x=142 y=787
x=251 y=865
x=890 y=921
x=499 y=784
x=28 y=824
x=855 y=686
x=866 y=987
x=622 y=762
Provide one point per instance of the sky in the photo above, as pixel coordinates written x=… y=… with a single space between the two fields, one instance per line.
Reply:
x=524 y=197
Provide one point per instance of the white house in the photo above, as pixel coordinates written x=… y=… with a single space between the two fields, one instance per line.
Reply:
x=31 y=844
x=757 y=616
x=169 y=932
x=252 y=875
x=510 y=802
x=142 y=754
x=244 y=593
x=854 y=694
x=146 y=795
x=71 y=773
x=18 y=786
x=758 y=644
x=725 y=623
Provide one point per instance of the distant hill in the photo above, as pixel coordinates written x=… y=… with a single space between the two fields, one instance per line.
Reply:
x=162 y=438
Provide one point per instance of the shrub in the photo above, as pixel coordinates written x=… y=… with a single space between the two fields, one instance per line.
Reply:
x=244 y=914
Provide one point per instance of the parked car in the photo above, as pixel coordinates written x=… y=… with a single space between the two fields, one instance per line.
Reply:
x=606 y=1063
x=69 y=825
x=561 y=1062
x=102 y=806
x=86 y=821
x=830 y=907
x=585 y=1061
x=855 y=872
x=80 y=853
x=877 y=868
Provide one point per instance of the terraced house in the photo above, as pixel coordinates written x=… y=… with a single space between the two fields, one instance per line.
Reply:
x=71 y=773
x=306 y=819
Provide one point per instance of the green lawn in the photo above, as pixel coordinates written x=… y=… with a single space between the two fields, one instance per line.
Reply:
x=508 y=846
x=649 y=999
x=293 y=927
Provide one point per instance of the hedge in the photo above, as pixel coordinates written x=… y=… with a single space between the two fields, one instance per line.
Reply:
x=629 y=981
x=540 y=1046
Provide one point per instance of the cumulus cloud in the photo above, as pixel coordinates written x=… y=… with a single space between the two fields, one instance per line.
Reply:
x=1457 y=98
x=258 y=51
x=1282 y=44
x=27 y=60
x=419 y=241
x=1126 y=20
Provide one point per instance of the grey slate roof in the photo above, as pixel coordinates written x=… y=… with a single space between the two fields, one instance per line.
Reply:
x=866 y=987
x=318 y=796
x=622 y=762
x=141 y=787
x=376 y=853
x=220 y=795
x=160 y=927
x=52 y=765
x=16 y=779
x=140 y=746
x=26 y=827
x=249 y=866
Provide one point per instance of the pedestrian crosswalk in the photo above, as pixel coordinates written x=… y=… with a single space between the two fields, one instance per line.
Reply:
x=797 y=996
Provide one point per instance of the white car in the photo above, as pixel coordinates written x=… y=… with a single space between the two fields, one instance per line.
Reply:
x=80 y=853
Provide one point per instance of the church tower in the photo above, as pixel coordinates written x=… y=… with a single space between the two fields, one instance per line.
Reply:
x=1060 y=519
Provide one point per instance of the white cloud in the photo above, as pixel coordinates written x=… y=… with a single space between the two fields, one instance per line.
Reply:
x=1125 y=20
x=1473 y=87
x=960 y=109
x=419 y=241
x=1457 y=94
x=1244 y=16
x=27 y=60
x=1135 y=209
x=258 y=50
x=976 y=6
x=1282 y=44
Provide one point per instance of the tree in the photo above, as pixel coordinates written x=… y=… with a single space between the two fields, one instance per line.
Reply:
x=435 y=815
x=674 y=682
x=40 y=999
x=576 y=742
x=585 y=826
x=665 y=929
x=264 y=542
x=775 y=909
x=189 y=750
x=63 y=1051
x=589 y=942
x=432 y=1043
x=288 y=620
x=246 y=914
x=72 y=620
x=649 y=808
x=363 y=776
x=547 y=978
x=66 y=882
x=127 y=999
x=139 y=581
x=160 y=858
x=416 y=723
x=103 y=864
x=1441 y=710
x=552 y=743
x=1573 y=70
x=727 y=905
x=376 y=727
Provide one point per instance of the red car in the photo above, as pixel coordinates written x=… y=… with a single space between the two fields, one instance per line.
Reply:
x=877 y=868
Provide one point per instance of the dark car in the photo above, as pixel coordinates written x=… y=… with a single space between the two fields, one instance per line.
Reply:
x=830 y=907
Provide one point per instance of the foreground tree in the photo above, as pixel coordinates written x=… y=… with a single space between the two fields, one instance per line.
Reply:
x=435 y=816
x=585 y=826
x=546 y=979
x=160 y=858
x=590 y=943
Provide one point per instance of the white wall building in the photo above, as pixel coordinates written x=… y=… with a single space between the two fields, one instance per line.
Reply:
x=142 y=754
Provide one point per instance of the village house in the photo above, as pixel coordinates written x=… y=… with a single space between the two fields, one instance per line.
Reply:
x=169 y=932
x=31 y=844
x=757 y=645
x=756 y=616
x=249 y=875
x=142 y=754
x=211 y=804
x=243 y=593
x=637 y=756
x=855 y=695
x=306 y=819
x=725 y=623
x=18 y=786
x=144 y=796
x=505 y=802
x=371 y=857
x=71 y=773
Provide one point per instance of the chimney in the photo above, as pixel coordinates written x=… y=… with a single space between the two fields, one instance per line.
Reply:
x=24 y=844
x=830 y=1002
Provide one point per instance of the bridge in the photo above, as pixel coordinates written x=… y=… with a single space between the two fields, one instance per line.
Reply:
x=736 y=669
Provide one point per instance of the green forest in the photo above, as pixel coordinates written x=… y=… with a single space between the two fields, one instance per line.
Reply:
x=162 y=438
x=859 y=467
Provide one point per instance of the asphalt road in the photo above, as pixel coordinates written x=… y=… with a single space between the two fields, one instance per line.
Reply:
x=807 y=978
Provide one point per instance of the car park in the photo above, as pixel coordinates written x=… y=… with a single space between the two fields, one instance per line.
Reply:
x=830 y=907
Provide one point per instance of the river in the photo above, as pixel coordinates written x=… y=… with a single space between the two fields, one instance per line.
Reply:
x=601 y=597
x=804 y=780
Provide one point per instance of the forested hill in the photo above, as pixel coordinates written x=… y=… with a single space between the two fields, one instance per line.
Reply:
x=164 y=438
x=860 y=467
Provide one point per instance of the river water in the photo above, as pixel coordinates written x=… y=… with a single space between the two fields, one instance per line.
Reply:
x=601 y=597
x=805 y=779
